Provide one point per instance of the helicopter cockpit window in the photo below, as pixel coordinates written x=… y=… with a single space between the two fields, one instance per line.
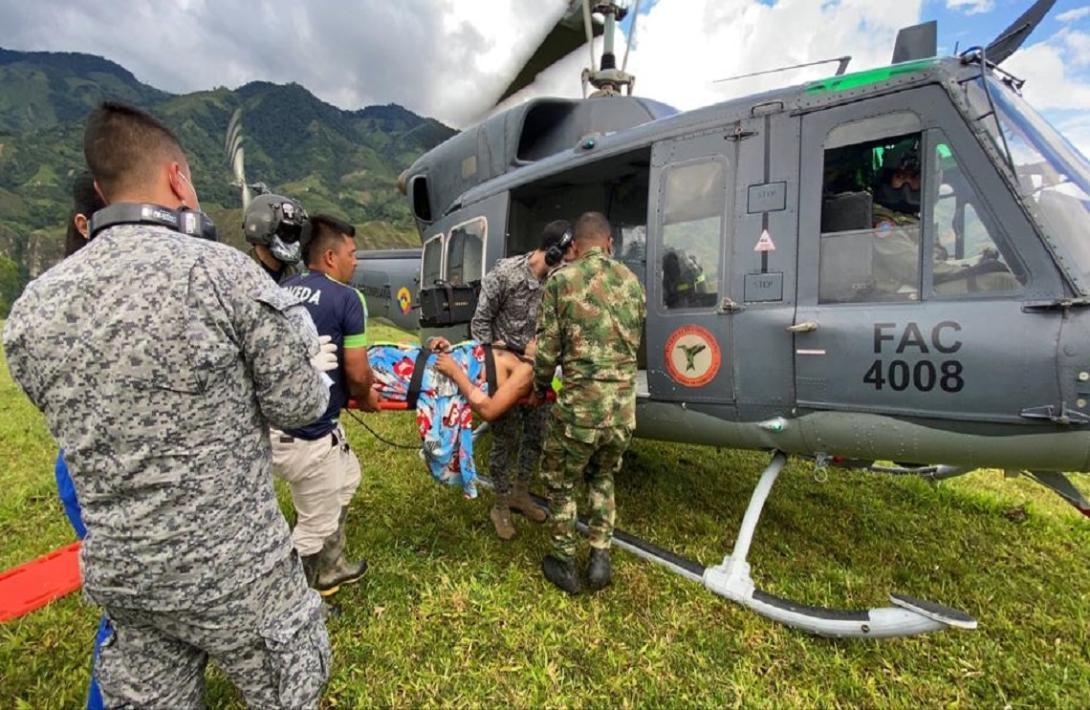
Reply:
x=692 y=234
x=870 y=221
x=965 y=258
x=465 y=252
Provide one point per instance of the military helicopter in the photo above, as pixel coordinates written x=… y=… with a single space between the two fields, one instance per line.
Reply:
x=882 y=266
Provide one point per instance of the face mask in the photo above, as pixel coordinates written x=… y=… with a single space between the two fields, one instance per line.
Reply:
x=285 y=252
x=903 y=199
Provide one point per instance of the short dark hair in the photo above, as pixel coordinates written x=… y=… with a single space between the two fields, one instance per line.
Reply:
x=552 y=234
x=124 y=145
x=592 y=227
x=85 y=201
x=324 y=232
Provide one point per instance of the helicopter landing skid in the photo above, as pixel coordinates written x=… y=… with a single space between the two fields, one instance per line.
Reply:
x=1062 y=486
x=731 y=579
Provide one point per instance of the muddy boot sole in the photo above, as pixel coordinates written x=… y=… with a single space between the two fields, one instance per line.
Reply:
x=501 y=521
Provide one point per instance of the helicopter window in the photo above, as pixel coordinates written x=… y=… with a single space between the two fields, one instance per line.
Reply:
x=965 y=257
x=870 y=222
x=465 y=252
x=432 y=263
x=692 y=234
x=421 y=202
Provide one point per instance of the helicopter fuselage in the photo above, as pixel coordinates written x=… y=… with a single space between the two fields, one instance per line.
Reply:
x=878 y=266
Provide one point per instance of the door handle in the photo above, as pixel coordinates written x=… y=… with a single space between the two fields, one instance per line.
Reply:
x=808 y=326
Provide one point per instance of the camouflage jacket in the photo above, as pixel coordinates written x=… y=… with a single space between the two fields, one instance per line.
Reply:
x=160 y=360
x=508 y=303
x=592 y=315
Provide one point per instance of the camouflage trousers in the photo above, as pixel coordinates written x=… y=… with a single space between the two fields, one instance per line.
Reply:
x=268 y=637
x=572 y=453
x=516 y=445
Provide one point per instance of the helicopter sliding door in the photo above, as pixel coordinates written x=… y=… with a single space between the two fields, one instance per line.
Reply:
x=915 y=265
x=456 y=252
x=688 y=269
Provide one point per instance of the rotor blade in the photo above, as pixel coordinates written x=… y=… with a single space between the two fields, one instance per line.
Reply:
x=234 y=126
x=564 y=38
x=631 y=35
x=1008 y=42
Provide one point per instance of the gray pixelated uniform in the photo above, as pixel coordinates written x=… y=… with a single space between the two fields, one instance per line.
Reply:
x=507 y=311
x=160 y=360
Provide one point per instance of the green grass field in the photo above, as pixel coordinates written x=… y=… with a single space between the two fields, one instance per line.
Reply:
x=449 y=615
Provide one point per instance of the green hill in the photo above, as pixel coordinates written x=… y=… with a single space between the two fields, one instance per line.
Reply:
x=345 y=162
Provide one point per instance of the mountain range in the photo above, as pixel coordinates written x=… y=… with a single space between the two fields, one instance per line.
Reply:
x=332 y=160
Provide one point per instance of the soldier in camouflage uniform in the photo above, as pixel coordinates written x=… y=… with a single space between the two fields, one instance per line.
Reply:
x=507 y=315
x=590 y=322
x=159 y=360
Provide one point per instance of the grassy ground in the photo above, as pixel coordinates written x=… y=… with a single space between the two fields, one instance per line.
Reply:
x=450 y=615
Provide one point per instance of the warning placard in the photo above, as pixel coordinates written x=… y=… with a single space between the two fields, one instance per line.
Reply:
x=765 y=242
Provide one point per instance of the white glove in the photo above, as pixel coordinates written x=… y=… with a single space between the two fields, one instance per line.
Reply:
x=326 y=359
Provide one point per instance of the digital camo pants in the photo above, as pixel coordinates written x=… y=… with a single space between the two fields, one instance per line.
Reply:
x=573 y=452
x=268 y=637
x=516 y=446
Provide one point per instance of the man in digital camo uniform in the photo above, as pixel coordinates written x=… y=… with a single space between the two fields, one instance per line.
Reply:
x=507 y=314
x=590 y=322
x=160 y=360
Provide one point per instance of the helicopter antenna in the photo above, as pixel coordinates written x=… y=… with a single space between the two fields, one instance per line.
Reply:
x=840 y=69
x=608 y=80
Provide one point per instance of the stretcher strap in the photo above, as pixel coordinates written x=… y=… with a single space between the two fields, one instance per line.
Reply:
x=418 y=377
x=490 y=368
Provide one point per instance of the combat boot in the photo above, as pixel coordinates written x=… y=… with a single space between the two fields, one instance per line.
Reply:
x=521 y=501
x=599 y=573
x=562 y=574
x=501 y=518
x=310 y=568
x=333 y=569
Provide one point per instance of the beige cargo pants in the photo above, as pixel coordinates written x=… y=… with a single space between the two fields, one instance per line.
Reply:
x=323 y=475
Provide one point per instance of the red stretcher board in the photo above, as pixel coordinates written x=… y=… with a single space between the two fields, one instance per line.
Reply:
x=34 y=584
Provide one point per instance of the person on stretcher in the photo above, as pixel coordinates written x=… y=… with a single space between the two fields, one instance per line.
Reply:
x=446 y=384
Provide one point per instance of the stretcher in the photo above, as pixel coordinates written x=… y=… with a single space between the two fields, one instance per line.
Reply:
x=34 y=584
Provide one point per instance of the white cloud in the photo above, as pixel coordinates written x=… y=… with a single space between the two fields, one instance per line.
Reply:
x=1047 y=67
x=971 y=7
x=1072 y=15
x=450 y=58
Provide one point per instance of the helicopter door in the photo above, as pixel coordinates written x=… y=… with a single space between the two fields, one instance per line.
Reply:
x=914 y=267
x=453 y=263
x=688 y=334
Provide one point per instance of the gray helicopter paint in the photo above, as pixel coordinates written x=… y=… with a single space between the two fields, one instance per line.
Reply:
x=865 y=437
x=491 y=148
x=662 y=322
x=380 y=275
x=983 y=341
x=1022 y=359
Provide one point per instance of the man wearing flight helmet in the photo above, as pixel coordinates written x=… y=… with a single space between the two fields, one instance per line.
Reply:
x=273 y=224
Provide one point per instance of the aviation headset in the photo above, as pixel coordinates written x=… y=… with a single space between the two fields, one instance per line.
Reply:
x=182 y=220
x=555 y=254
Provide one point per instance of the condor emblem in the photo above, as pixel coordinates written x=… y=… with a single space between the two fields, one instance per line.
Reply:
x=692 y=356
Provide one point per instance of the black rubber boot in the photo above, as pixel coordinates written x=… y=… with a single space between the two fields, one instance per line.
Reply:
x=599 y=572
x=333 y=569
x=310 y=568
x=562 y=574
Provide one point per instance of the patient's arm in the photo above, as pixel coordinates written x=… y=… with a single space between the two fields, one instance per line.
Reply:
x=488 y=408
